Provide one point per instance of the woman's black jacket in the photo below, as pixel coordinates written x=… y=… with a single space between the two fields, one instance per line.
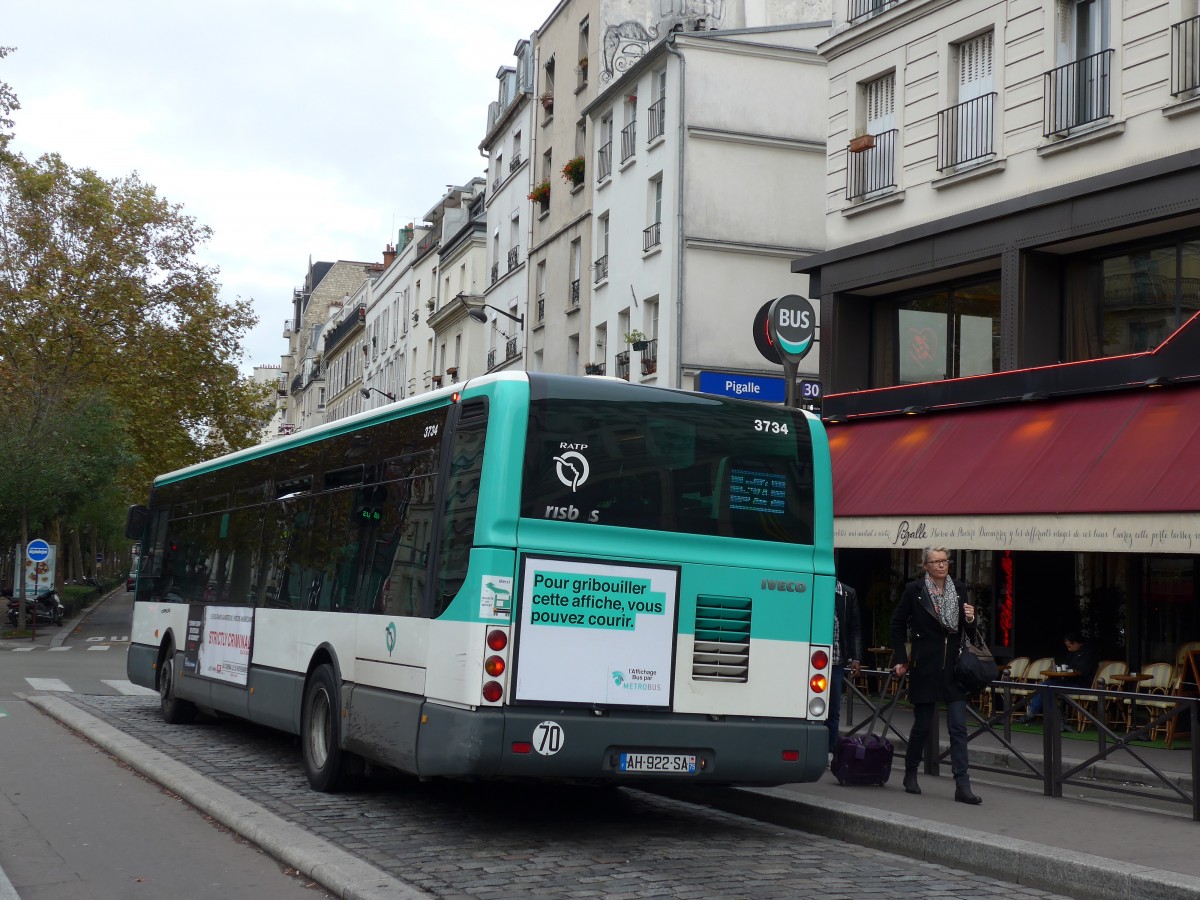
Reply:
x=934 y=651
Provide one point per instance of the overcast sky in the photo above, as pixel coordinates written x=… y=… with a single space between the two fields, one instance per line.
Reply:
x=290 y=127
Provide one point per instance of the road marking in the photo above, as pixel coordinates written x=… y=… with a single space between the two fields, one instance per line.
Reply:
x=129 y=688
x=3 y=712
x=101 y=647
x=21 y=649
x=49 y=684
x=58 y=649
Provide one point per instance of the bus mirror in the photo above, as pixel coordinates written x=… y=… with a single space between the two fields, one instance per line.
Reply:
x=136 y=522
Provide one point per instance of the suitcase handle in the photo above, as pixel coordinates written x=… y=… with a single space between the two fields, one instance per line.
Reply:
x=890 y=708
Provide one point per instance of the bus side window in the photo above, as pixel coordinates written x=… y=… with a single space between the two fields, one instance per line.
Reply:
x=462 y=502
x=398 y=566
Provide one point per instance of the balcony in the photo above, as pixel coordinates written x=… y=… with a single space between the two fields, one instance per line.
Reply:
x=601 y=269
x=573 y=300
x=513 y=256
x=495 y=272
x=541 y=308
x=510 y=348
x=604 y=162
x=515 y=163
x=427 y=243
x=628 y=141
x=965 y=132
x=651 y=236
x=860 y=10
x=491 y=359
x=872 y=170
x=1077 y=94
x=594 y=368
x=650 y=357
x=1185 y=56
x=656 y=119
x=622 y=364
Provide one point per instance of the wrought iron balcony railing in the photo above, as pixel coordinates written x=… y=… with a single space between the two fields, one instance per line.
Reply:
x=622 y=364
x=541 y=308
x=604 y=162
x=651 y=236
x=491 y=359
x=873 y=169
x=574 y=299
x=513 y=256
x=495 y=272
x=510 y=348
x=515 y=163
x=1078 y=93
x=965 y=132
x=601 y=268
x=650 y=357
x=859 y=10
x=656 y=119
x=628 y=141
x=1185 y=56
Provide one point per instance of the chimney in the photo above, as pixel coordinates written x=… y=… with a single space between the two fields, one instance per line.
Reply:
x=389 y=255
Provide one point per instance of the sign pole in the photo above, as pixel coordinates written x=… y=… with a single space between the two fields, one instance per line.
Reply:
x=792 y=323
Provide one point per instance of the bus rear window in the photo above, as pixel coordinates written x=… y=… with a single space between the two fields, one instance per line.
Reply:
x=699 y=465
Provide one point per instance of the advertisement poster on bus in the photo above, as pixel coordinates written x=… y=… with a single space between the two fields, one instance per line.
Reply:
x=596 y=633
x=218 y=642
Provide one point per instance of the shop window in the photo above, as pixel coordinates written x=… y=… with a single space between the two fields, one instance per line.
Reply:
x=948 y=332
x=1131 y=301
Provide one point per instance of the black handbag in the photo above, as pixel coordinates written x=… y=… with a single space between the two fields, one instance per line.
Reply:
x=975 y=668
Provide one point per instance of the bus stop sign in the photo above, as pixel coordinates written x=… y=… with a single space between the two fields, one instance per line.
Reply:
x=38 y=550
x=792 y=323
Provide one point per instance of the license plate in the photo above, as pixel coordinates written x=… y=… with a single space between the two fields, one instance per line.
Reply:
x=670 y=763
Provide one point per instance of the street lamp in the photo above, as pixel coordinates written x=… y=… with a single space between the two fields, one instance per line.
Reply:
x=478 y=315
x=366 y=392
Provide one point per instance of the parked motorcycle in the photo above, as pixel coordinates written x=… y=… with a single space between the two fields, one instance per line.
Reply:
x=46 y=608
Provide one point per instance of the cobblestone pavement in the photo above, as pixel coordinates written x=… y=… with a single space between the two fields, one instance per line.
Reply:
x=457 y=840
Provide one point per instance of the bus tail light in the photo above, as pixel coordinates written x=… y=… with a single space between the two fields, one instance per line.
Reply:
x=494 y=666
x=820 y=659
x=818 y=683
x=492 y=692
x=497 y=640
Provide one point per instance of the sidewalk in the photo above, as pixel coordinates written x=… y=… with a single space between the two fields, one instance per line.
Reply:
x=1087 y=843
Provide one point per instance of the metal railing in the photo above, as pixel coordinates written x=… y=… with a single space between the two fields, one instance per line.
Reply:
x=541 y=307
x=1077 y=94
x=965 y=132
x=650 y=357
x=495 y=271
x=574 y=298
x=1049 y=767
x=628 y=141
x=651 y=236
x=601 y=267
x=604 y=162
x=1185 y=56
x=656 y=120
x=513 y=257
x=510 y=348
x=622 y=364
x=491 y=359
x=515 y=163
x=857 y=10
x=873 y=169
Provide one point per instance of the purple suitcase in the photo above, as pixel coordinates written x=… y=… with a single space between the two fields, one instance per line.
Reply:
x=866 y=758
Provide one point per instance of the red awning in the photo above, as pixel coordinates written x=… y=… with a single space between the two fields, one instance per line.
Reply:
x=1120 y=452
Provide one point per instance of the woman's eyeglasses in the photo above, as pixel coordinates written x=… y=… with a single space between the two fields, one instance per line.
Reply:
x=938 y=562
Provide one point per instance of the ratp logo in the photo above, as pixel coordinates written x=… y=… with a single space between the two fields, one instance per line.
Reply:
x=618 y=678
x=389 y=634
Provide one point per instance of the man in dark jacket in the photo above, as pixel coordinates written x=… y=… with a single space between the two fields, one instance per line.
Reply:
x=847 y=651
x=1082 y=660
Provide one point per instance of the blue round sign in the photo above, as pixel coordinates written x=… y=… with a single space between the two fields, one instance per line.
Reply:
x=37 y=550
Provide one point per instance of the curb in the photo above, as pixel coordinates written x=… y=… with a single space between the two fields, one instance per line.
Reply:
x=1067 y=872
x=341 y=873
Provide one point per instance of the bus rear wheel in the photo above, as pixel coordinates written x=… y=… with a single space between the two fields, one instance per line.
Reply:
x=174 y=710
x=329 y=768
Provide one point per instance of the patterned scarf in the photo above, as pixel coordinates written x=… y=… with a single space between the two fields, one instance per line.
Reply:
x=945 y=602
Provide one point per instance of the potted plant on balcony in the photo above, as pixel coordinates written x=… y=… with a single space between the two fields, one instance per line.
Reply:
x=547 y=100
x=862 y=141
x=573 y=171
x=583 y=61
x=541 y=192
x=636 y=339
x=592 y=368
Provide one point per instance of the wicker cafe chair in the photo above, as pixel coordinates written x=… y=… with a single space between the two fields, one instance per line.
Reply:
x=1162 y=677
x=1014 y=671
x=1161 y=699
x=1031 y=677
x=1104 y=673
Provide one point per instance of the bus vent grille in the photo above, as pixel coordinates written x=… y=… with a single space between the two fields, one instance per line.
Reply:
x=722 y=650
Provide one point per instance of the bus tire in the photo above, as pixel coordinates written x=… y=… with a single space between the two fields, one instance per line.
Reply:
x=174 y=710
x=328 y=767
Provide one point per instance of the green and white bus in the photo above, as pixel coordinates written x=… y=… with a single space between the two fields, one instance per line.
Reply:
x=522 y=576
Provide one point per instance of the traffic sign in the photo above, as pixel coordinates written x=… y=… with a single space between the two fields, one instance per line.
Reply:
x=38 y=550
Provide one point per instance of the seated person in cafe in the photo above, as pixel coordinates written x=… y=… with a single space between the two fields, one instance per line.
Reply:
x=1081 y=659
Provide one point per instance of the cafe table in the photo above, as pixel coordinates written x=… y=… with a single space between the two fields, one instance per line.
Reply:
x=1132 y=681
